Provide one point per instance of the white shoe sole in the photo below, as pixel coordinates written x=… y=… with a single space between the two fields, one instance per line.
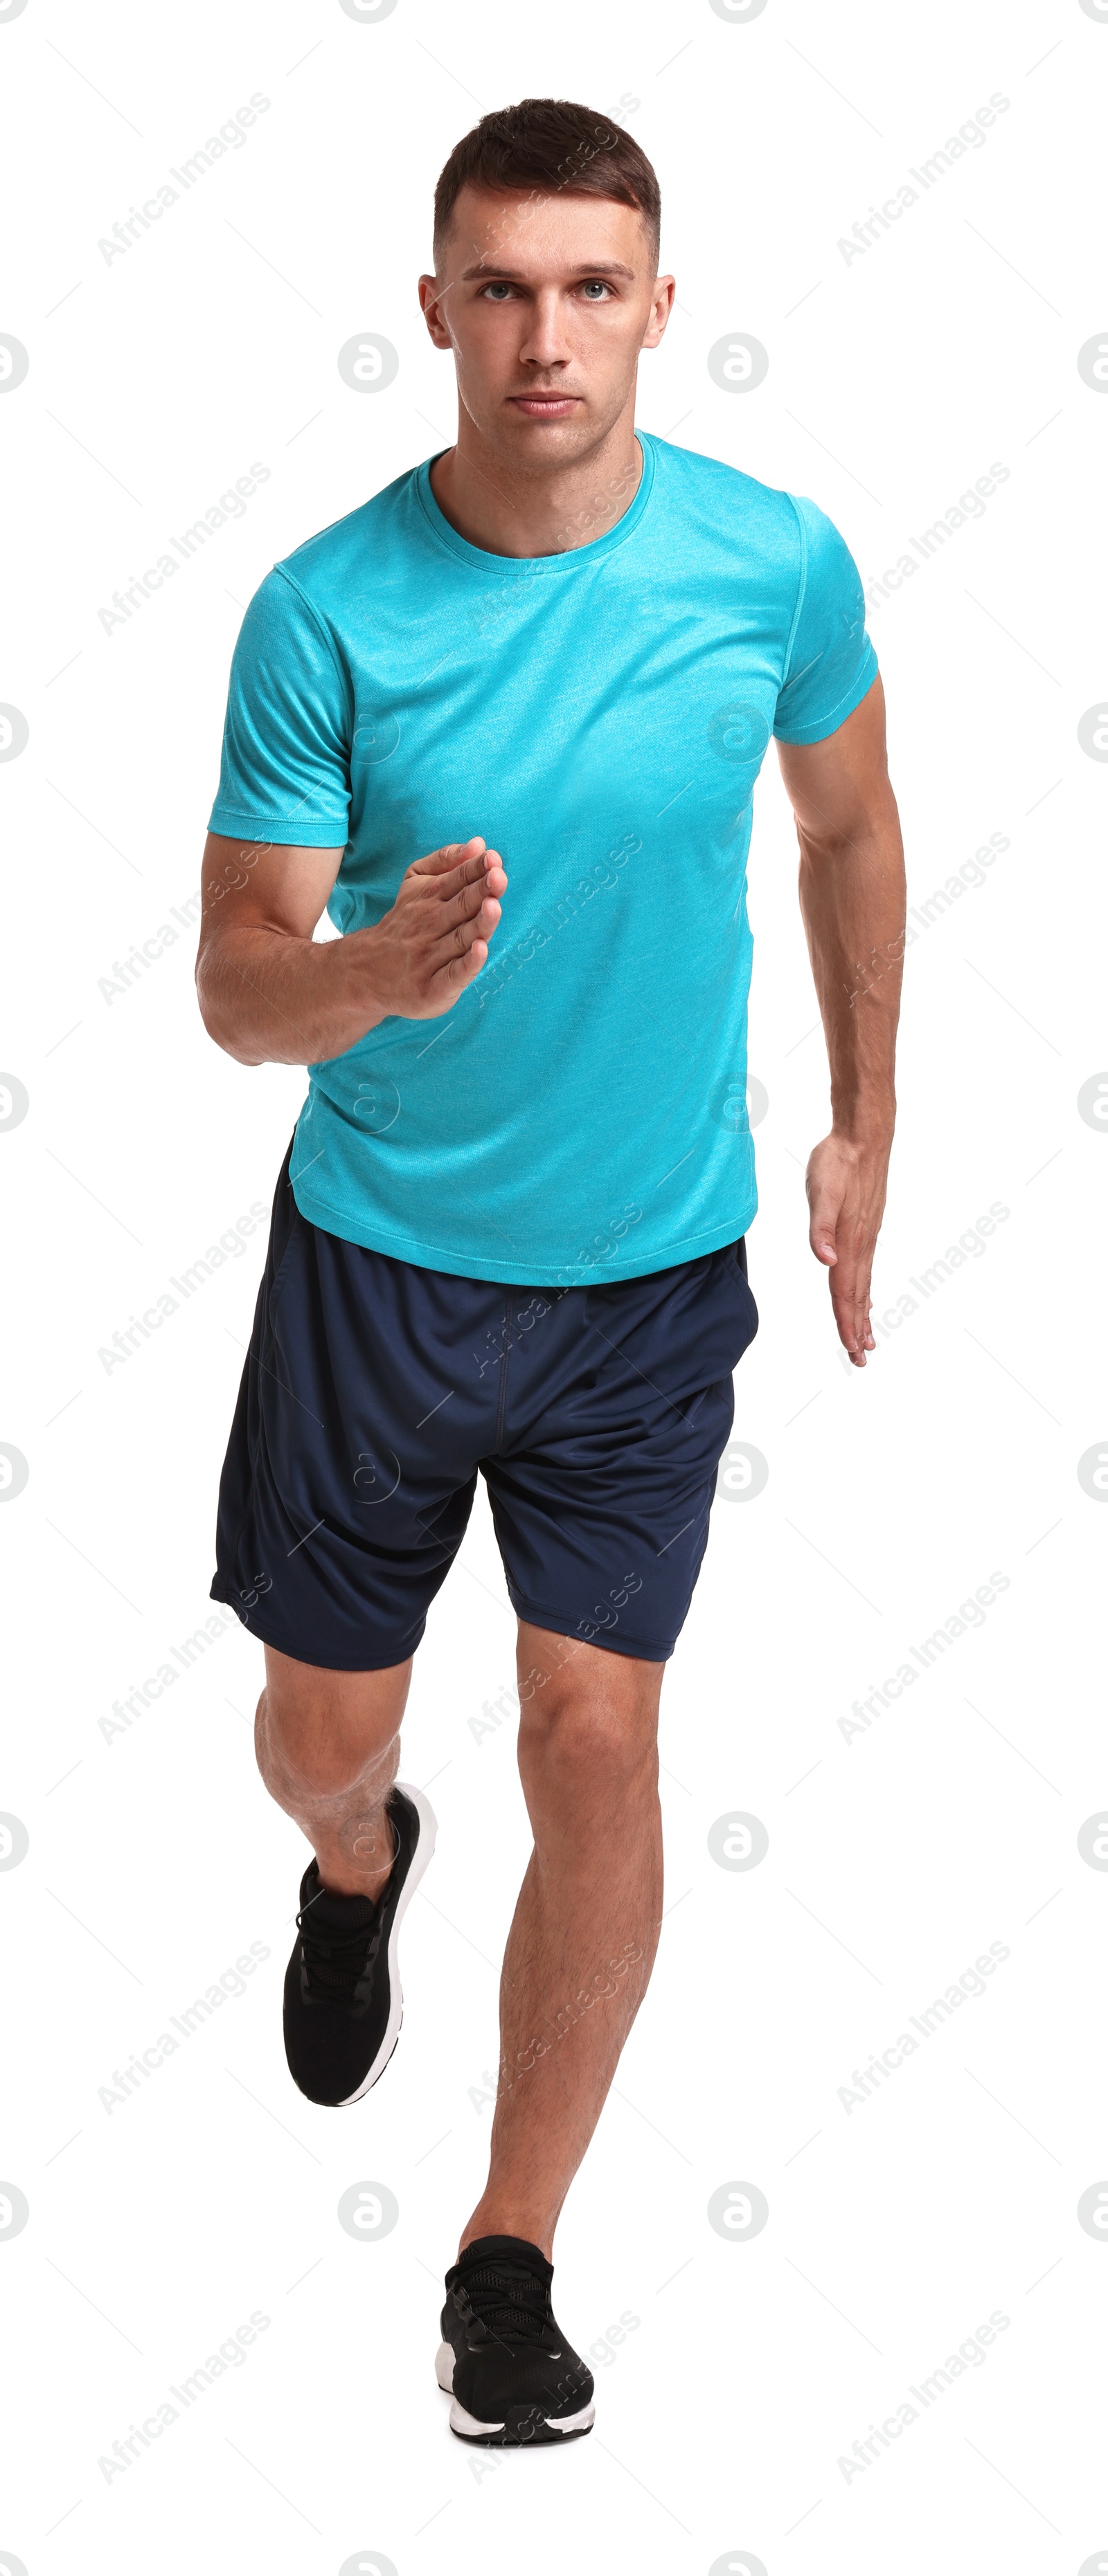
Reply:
x=460 y=2422
x=428 y=1828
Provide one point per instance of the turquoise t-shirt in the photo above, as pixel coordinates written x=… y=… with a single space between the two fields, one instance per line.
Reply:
x=600 y=716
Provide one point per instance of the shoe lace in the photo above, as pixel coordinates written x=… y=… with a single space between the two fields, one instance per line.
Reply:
x=509 y=2301
x=335 y=1962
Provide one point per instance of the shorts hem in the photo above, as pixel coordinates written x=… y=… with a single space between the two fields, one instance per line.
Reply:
x=260 y=1631
x=538 y=1616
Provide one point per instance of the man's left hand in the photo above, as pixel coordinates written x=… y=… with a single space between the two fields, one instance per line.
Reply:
x=846 y=1199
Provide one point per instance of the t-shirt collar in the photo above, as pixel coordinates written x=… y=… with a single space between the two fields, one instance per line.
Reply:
x=568 y=560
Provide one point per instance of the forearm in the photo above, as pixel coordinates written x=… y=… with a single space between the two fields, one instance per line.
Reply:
x=853 y=900
x=267 y=997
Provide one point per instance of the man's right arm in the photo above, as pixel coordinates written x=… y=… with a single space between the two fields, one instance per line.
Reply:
x=271 y=994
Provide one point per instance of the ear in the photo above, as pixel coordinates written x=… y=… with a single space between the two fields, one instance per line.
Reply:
x=432 y=299
x=661 y=306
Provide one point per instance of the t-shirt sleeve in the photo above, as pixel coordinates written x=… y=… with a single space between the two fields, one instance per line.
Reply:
x=285 y=770
x=830 y=662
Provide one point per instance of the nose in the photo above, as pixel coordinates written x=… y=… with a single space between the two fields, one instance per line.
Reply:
x=545 y=343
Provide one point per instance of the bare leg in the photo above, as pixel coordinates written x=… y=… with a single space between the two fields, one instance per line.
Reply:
x=328 y=1747
x=585 y=1930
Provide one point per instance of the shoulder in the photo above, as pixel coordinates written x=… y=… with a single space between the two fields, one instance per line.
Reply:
x=825 y=549
x=324 y=565
x=776 y=538
x=734 y=501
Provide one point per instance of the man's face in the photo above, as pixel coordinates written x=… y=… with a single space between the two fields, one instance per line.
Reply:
x=546 y=302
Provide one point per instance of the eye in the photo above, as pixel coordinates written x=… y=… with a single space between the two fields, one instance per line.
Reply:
x=498 y=288
x=595 y=287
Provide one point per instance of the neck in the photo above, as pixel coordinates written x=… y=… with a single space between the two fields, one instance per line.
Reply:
x=508 y=509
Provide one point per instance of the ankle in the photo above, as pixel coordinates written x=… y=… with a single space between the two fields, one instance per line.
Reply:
x=338 y=1882
x=341 y=1874
x=506 y=2217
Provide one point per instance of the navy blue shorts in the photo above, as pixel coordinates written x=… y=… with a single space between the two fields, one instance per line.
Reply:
x=375 y=1390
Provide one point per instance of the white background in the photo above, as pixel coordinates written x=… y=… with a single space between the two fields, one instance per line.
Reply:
x=895 y=1857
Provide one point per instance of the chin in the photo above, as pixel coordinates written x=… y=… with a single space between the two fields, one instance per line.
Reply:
x=565 y=436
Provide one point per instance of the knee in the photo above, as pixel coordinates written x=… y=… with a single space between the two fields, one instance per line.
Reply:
x=307 y=1749
x=599 y=1745
x=326 y=1768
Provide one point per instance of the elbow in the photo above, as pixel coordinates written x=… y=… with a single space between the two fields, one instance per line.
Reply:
x=218 y=1023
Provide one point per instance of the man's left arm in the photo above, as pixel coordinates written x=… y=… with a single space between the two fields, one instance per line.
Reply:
x=853 y=900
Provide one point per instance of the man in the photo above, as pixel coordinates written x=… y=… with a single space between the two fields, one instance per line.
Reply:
x=504 y=723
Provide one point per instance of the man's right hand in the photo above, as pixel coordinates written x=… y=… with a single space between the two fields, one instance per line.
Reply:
x=418 y=958
x=271 y=994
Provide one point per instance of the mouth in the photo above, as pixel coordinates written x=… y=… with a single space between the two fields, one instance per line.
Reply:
x=544 y=406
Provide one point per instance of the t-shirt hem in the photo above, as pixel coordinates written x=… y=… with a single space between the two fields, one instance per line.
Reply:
x=516 y=1274
x=286 y=832
x=837 y=715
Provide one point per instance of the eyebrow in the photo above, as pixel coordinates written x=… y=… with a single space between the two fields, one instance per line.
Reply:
x=591 y=268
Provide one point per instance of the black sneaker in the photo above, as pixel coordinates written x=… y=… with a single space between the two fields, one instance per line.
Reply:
x=512 y=2374
x=343 y=2000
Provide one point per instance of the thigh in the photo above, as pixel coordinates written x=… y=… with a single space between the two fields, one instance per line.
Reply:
x=602 y=1491
x=351 y=1468
x=559 y=1674
x=354 y=1713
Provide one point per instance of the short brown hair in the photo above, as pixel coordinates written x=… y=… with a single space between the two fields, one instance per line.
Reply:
x=549 y=145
